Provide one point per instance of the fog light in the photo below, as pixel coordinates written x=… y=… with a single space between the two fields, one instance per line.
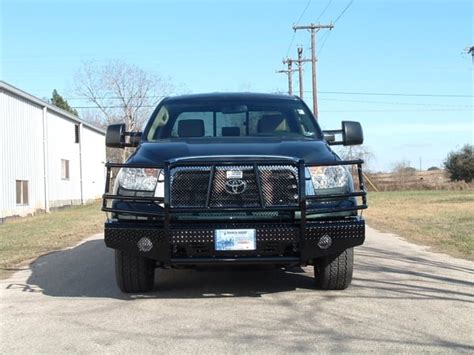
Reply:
x=325 y=242
x=144 y=244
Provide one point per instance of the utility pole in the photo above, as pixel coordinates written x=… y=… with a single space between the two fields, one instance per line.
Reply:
x=313 y=29
x=470 y=50
x=300 y=62
x=300 y=70
x=289 y=72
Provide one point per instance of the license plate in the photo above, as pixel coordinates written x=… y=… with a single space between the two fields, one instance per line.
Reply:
x=234 y=174
x=235 y=239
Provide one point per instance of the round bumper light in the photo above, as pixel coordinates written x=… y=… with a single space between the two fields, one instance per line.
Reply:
x=325 y=242
x=145 y=244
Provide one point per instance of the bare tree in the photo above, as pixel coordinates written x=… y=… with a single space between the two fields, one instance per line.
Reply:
x=121 y=92
x=402 y=166
x=357 y=152
x=95 y=117
x=402 y=171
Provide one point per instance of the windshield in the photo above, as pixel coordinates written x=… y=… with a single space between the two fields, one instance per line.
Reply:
x=275 y=118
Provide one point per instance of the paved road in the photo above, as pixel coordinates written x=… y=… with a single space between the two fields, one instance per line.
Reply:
x=403 y=299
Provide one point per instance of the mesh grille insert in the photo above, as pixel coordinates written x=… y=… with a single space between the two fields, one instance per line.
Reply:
x=191 y=186
x=279 y=185
x=222 y=193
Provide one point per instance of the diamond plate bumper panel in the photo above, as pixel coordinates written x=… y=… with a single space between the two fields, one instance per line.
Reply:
x=274 y=240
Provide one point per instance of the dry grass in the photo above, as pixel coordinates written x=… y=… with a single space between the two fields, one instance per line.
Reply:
x=417 y=180
x=441 y=219
x=24 y=239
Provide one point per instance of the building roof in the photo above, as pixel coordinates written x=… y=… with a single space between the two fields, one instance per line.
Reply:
x=67 y=115
x=248 y=96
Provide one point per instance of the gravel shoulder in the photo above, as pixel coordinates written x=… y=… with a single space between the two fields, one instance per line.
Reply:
x=404 y=298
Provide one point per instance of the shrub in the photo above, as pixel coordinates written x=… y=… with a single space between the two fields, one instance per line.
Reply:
x=460 y=164
x=402 y=166
x=433 y=168
x=409 y=170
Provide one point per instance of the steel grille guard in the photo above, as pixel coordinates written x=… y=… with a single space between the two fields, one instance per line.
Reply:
x=166 y=212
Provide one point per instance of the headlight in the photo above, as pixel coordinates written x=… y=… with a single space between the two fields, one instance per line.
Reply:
x=138 y=179
x=140 y=182
x=329 y=178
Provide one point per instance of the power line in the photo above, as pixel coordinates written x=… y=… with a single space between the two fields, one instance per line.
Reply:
x=313 y=30
x=117 y=97
x=289 y=72
x=343 y=11
x=294 y=33
x=384 y=110
x=398 y=103
x=324 y=10
x=291 y=44
x=118 y=106
x=322 y=92
x=304 y=11
x=390 y=110
x=392 y=94
x=300 y=62
x=324 y=38
x=448 y=107
x=404 y=110
x=299 y=19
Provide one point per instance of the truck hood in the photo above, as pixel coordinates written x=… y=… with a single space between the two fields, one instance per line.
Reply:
x=156 y=153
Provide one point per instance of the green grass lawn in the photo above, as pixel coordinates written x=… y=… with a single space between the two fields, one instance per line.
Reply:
x=441 y=219
x=23 y=239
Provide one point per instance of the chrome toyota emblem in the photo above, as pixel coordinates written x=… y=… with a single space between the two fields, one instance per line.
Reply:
x=235 y=186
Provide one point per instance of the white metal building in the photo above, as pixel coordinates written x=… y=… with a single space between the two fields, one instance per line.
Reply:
x=48 y=157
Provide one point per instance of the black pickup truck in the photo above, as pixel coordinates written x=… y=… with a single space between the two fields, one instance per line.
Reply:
x=233 y=179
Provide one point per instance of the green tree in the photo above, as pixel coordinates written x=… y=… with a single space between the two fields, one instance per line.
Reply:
x=460 y=164
x=59 y=101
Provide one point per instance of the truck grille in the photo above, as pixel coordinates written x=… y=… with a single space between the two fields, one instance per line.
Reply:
x=259 y=186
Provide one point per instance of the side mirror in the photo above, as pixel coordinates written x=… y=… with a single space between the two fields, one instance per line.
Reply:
x=350 y=131
x=329 y=137
x=116 y=137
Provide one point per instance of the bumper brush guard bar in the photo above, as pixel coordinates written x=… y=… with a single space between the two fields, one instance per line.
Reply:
x=167 y=211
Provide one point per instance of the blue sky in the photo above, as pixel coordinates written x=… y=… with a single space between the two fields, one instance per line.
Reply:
x=390 y=46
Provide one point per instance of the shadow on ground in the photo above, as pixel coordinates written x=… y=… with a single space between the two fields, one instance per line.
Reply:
x=88 y=271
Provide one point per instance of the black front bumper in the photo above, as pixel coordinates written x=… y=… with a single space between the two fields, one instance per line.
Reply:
x=193 y=244
x=157 y=232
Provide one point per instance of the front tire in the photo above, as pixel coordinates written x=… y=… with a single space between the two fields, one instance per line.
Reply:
x=334 y=272
x=134 y=273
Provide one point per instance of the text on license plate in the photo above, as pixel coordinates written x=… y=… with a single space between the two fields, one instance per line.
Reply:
x=235 y=239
